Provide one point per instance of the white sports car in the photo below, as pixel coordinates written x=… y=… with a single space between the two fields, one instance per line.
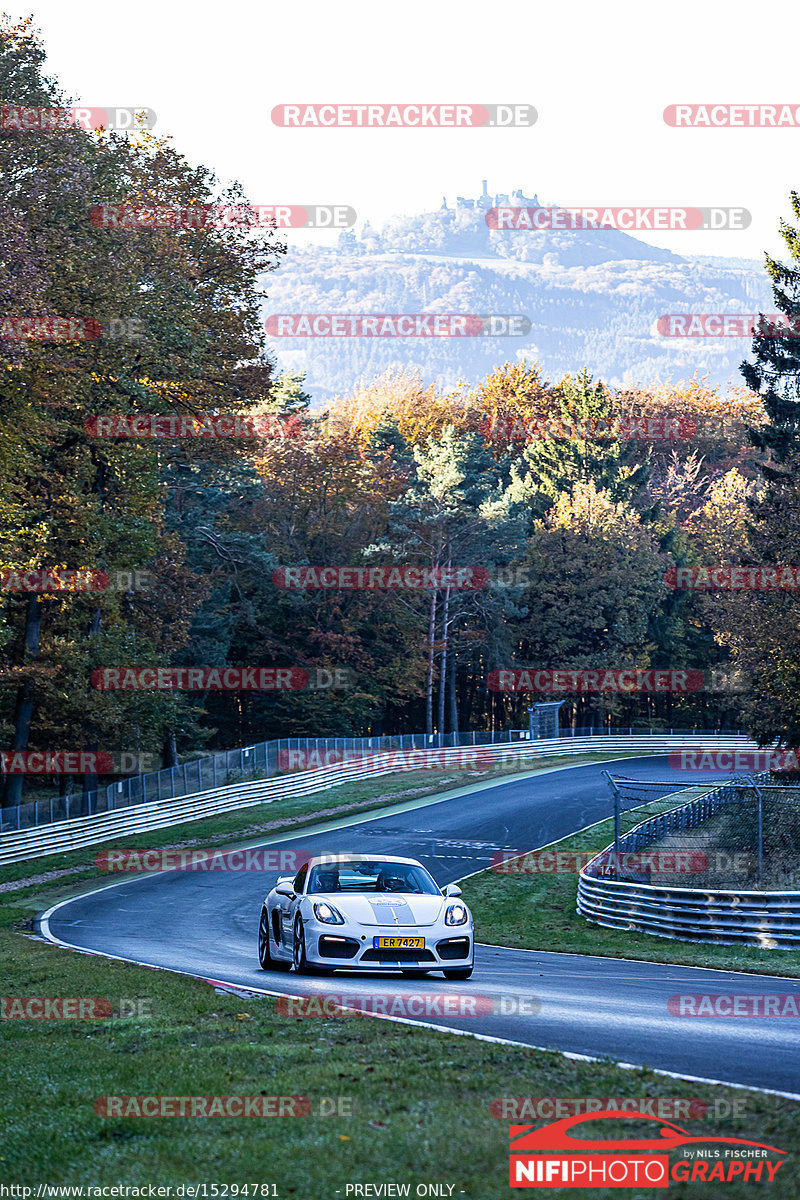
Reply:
x=365 y=912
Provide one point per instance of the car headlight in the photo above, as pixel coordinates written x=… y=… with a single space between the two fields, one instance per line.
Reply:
x=328 y=914
x=456 y=915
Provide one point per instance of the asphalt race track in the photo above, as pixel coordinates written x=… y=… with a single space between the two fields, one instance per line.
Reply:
x=205 y=924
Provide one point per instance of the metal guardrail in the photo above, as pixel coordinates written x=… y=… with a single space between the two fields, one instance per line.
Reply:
x=264 y=760
x=18 y=846
x=719 y=916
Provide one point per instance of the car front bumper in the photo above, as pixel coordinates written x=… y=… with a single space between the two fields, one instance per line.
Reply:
x=353 y=949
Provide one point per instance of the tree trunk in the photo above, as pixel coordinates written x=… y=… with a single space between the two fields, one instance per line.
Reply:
x=170 y=752
x=429 y=685
x=451 y=679
x=23 y=709
x=90 y=778
x=443 y=668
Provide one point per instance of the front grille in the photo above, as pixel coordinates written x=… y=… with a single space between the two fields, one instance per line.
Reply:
x=337 y=948
x=394 y=956
x=453 y=948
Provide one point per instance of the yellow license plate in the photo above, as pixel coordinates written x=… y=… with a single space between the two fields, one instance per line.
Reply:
x=398 y=943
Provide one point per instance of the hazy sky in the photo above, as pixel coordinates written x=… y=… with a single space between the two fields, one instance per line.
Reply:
x=600 y=76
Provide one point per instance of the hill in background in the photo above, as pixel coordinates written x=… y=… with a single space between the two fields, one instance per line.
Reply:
x=593 y=298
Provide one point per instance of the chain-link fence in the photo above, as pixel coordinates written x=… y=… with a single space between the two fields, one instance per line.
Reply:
x=742 y=834
x=265 y=759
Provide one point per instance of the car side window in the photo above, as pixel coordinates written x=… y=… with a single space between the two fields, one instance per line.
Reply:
x=300 y=879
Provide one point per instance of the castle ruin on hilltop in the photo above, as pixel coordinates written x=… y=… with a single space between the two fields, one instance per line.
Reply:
x=517 y=199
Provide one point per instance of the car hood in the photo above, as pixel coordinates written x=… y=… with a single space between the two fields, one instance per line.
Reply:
x=382 y=909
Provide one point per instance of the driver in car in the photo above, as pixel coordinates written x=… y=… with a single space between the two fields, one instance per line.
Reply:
x=393 y=881
x=327 y=881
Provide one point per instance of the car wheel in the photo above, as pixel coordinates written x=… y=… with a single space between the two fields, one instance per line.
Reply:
x=458 y=973
x=265 y=959
x=301 y=964
x=415 y=974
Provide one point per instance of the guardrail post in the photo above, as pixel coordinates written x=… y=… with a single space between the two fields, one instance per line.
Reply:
x=760 y=836
x=761 y=828
x=615 y=791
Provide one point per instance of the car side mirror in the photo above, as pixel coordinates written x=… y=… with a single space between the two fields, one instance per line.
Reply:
x=285 y=889
x=452 y=889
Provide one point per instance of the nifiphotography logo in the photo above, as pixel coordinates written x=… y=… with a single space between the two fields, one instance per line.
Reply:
x=555 y=1157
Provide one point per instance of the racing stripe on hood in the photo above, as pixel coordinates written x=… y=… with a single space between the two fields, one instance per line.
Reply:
x=384 y=909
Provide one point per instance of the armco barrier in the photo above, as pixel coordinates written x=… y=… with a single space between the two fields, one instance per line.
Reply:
x=263 y=760
x=18 y=846
x=727 y=918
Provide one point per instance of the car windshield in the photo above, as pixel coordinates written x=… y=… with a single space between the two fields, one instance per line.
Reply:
x=371 y=876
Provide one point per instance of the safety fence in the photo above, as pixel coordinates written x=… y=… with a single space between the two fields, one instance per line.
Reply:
x=92 y=829
x=725 y=916
x=263 y=761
